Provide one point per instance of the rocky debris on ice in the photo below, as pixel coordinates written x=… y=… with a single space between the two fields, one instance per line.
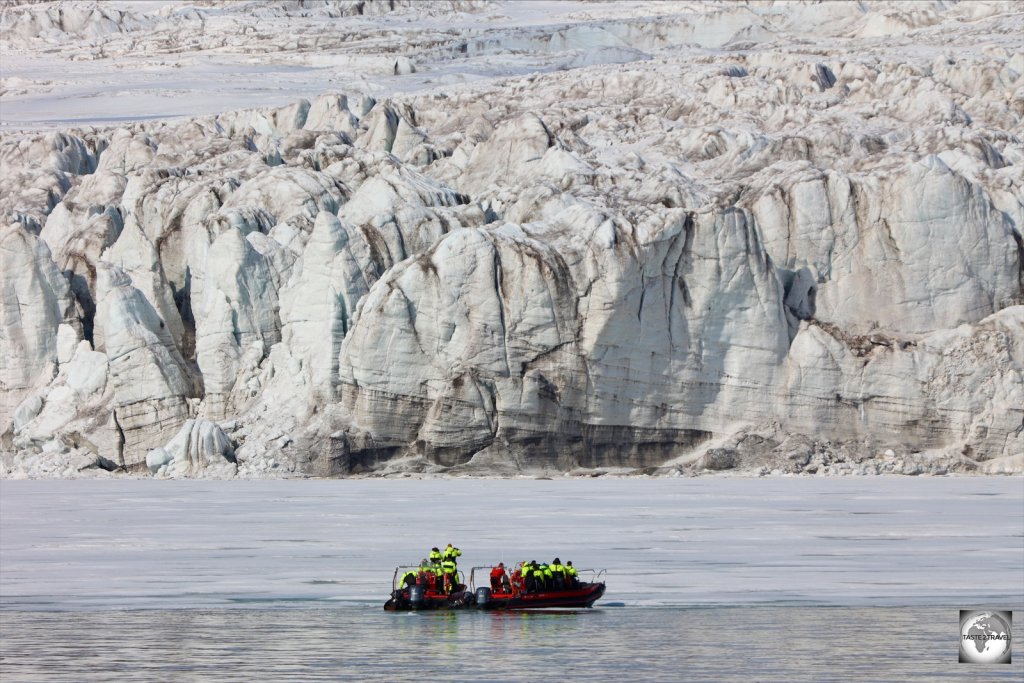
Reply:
x=769 y=450
x=726 y=259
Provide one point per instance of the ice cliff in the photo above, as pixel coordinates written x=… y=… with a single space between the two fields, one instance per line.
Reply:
x=697 y=237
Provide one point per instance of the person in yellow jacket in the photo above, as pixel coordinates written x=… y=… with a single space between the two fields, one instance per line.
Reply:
x=451 y=553
x=529 y=581
x=538 y=576
x=449 y=570
x=408 y=579
x=572 y=577
x=557 y=573
x=435 y=555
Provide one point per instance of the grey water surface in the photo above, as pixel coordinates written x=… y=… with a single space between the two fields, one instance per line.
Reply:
x=353 y=643
x=787 y=579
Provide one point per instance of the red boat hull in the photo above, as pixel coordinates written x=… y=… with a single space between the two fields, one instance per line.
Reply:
x=583 y=595
x=459 y=599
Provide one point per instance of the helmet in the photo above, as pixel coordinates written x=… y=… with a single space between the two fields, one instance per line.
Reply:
x=569 y=563
x=435 y=549
x=558 y=561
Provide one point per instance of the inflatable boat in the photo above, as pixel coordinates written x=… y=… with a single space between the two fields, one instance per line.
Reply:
x=427 y=594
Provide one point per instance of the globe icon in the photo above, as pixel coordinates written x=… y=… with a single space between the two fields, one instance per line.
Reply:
x=984 y=638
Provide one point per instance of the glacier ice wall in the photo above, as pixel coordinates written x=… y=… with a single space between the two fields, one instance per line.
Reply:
x=709 y=236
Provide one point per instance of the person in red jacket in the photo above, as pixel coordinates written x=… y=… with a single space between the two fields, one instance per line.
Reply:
x=499 y=579
x=518 y=584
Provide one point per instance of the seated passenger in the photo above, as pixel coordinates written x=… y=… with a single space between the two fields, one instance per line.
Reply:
x=408 y=579
x=424 y=573
x=530 y=577
x=557 y=574
x=537 y=572
x=432 y=576
x=572 y=577
x=517 y=580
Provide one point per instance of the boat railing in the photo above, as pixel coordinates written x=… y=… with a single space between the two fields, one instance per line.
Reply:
x=593 y=575
x=585 y=575
x=472 y=576
x=401 y=570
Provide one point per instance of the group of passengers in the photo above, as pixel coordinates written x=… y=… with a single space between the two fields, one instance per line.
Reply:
x=531 y=577
x=437 y=573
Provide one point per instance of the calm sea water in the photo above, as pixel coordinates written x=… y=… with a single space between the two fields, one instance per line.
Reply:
x=350 y=643
x=708 y=579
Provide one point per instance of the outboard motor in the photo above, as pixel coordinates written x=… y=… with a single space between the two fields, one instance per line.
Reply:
x=483 y=596
x=416 y=596
x=463 y=599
